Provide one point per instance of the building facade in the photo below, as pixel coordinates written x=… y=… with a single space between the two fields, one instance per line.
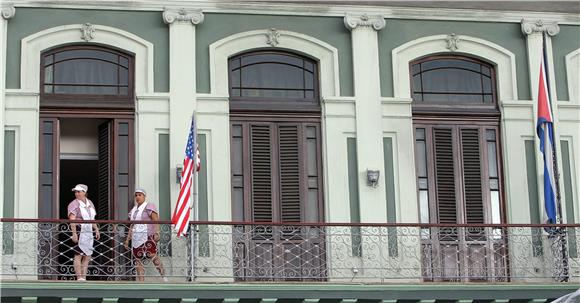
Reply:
x=330 y=114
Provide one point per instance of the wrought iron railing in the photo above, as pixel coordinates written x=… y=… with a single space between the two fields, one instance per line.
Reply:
x=317 y=252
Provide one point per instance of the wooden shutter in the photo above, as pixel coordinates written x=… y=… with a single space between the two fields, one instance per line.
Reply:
x=123 y=175
x=472 y=179
x=445 y=175
x=261 y=169
x=289 y=161
x=49 y=160
x=103 y=171
x=48 y=197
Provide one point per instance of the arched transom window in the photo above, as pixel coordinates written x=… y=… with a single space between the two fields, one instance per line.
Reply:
x=85 y=73
x=454 y=80
x=273 y=80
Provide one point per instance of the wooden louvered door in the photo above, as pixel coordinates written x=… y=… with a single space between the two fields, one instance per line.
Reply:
x=276 y=177
x=103 y=259
x=458 y=163
x=48 y=236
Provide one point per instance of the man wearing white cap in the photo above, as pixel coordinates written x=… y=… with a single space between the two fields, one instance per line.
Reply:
x=144 y=237
x=81 y=208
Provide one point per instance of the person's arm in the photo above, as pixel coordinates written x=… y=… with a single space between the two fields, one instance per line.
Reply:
x=73 y=227
x=97 y=233
x=129 y=234
x=155 y=217
x=95 y=226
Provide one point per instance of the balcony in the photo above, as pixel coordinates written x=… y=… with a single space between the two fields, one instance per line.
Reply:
x=235 y=252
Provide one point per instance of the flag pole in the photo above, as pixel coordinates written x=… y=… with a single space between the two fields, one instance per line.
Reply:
x=561 y=232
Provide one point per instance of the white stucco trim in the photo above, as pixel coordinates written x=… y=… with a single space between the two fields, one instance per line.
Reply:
x=503 y=59
x=573 y=75
x=221 y=50
x=33 y=45
x=313 y=9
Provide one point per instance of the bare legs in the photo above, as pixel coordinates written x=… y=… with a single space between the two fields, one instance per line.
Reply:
x=140 y=269
x=81 y=265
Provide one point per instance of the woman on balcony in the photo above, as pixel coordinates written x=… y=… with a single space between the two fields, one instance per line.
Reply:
x=144 y=237
x=81 y=208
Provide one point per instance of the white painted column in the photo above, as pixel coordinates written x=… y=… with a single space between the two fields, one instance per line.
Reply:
x=367 y=91
x=534 y=30
x=7 y=13
x=182 y=89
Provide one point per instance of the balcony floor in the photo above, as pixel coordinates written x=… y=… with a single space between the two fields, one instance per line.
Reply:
x=111 y=292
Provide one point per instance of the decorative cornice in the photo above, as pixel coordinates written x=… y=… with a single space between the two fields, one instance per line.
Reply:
x=377 y=22
x=272 y=37
x=539 y=27
x=183 y=15
x=88 y=32
x=452 y=41
x=8 y=11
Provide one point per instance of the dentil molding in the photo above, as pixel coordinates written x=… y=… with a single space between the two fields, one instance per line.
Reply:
x=377 y=22
x=182 y=15
x=539 y=27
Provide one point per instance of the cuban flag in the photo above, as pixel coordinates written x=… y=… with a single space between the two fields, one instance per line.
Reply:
x=545 y=132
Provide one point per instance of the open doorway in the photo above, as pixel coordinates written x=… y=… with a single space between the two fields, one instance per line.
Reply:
x=79 y=162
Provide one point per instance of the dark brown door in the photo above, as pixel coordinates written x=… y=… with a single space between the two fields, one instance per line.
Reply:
x=276 y=177
x=458 y=171
x=48 y=235
x=115 y=179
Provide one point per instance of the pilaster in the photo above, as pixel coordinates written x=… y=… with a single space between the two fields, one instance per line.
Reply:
x=182 y=84
x=535 y=31
x=8 y=12
x=365 y=53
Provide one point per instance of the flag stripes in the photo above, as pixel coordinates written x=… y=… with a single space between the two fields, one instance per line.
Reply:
x=182 y=211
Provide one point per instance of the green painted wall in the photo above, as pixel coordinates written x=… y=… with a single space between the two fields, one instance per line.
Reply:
x=203 y=207
x=328 y=29
x=388 y=159
x=531 y=170
x=9 y=175
x=353 y=196
x=567 y=41
x=398 y=32
x=569 y=194
x=147 y=25
x=164 y=178
x=9 y=169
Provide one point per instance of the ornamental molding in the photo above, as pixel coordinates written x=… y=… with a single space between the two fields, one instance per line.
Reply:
x=88 y=32
x=273 y=37
x=377 y=22
x=452 y=42
x=8 y=11
x=540 y=26
x=183 y=15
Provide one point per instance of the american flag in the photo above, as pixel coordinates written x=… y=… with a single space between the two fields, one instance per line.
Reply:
x=182 y=212
x=545 y=131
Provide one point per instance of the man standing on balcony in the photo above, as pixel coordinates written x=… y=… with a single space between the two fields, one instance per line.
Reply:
x=144 y=237
x=82 y=208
